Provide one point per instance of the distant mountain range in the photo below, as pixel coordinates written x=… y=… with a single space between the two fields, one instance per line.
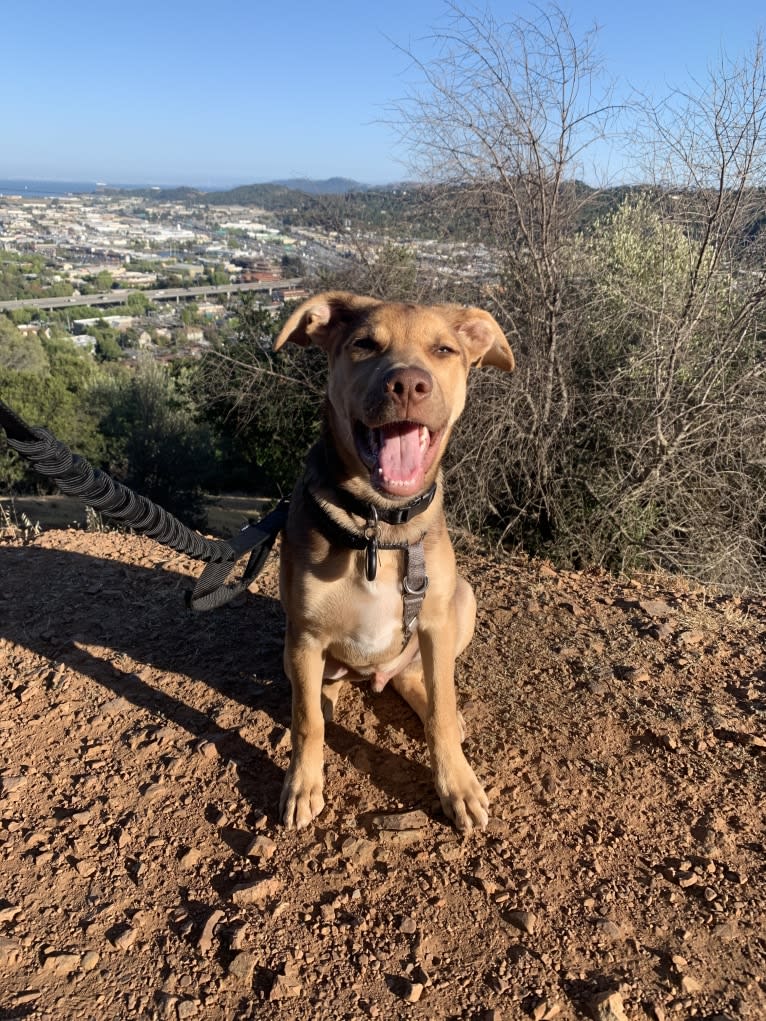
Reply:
x=330 y=186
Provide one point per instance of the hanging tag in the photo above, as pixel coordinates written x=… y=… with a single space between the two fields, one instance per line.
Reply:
x=371 y=552
x=371 y=559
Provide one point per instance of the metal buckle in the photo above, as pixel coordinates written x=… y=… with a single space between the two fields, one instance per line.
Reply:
x=415 y=591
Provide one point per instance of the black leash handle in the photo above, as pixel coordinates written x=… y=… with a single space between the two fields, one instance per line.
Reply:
x=76 y=477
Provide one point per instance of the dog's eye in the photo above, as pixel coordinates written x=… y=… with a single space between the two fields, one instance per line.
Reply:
x=365 y=344
x=444 y=349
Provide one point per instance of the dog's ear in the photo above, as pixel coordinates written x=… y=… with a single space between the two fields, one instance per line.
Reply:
x=320 y=319
x=479 y=332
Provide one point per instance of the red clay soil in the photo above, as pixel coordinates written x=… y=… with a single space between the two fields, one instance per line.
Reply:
x=619 y=726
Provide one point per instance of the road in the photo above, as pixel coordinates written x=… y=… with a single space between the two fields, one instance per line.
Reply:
x=120 y=296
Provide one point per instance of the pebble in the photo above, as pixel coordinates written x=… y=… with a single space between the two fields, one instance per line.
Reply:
x=414 y=820
x=525 y=921
x=261 y=847
x=126 y=939
x=205 y=941
x=609 y=928
x=90 y=960
x=285 y=988
x=608 y=1007
x=358 y=850
x=242 y=967
x=10 y=952
x=189 y=858
x=259 y=889
x=409 y=991
x=61 y=963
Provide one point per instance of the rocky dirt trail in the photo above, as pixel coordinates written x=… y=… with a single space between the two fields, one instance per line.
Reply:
x=619 y=726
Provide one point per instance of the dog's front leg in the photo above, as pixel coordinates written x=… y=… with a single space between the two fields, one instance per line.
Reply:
x=302 y=798
x=462 y=796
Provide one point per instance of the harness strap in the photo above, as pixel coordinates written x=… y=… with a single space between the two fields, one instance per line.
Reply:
x=415 y=582
x=414 y=585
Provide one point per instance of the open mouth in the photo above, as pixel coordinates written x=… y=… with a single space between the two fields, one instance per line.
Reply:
x=398 y=455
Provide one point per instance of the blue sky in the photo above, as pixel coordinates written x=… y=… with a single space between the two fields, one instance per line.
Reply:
x=192 y=93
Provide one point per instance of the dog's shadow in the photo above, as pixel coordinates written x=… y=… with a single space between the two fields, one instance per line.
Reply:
x=87 y=614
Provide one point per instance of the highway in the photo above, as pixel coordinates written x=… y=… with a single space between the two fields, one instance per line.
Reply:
x=120 y=296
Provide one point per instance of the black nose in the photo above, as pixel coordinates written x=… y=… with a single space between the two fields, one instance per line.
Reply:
x=407 y=386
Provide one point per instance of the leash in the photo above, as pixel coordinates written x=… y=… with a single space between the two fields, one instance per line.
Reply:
x=76 y=477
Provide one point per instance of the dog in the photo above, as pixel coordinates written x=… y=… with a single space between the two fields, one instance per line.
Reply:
x=368 y=579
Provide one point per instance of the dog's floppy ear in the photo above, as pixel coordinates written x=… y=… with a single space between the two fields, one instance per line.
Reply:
x=485 y=341
x=317 y=320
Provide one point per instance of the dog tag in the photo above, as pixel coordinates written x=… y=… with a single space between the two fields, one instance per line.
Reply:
x=371 y=552
x=371 y=559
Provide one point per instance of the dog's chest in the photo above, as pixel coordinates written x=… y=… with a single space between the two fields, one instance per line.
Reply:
x=374 y=622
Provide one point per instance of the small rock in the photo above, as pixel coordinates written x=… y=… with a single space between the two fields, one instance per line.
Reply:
x=186 y=1008
x=11 y=786
x=61 y=963
x=525 y=921
x=450 y=852
x=408 y=926
x=609 y=928
x=690 y=985
x=10 y=952
x=205 y=941
x=285 y=988
x=637 y=675
x=27 y=996
x=409 y=991
x=125 y=939
x=9 y=913
x=655 y=608
x=608 y=1007
x=189 y=858
x=414 y=820
x=726 y=931
x=89 y=960
x=242 y=967
x=358 y=850
x=260 y=889
x=261 y=847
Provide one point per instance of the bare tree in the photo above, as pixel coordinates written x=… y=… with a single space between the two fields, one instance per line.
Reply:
x=634 y=430
x=508 y=112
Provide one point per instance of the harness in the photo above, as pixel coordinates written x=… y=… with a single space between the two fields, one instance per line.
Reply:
x=415 y=581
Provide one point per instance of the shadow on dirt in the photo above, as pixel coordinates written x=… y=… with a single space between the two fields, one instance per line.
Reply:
x=87 y=614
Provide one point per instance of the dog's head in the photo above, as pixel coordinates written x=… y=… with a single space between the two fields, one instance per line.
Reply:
x=397 y=379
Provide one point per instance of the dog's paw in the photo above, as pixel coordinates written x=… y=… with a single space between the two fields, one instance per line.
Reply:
x=302 y=799
x=462 y=796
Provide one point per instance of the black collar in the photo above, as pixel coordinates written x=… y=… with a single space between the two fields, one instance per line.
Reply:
x=390 y=515
x=366 y=539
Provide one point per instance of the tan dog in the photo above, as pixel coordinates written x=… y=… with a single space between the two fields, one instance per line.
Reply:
x=368 y=579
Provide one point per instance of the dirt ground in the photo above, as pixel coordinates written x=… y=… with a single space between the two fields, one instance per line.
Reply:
x=619 y=726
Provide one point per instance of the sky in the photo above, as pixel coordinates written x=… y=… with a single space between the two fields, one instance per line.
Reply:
x=234 y=93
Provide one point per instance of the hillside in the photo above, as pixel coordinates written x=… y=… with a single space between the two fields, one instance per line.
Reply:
x=617 y=724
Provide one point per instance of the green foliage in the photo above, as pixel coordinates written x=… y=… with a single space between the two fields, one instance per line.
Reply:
x=20 y=352
x=266 y=407
x=155 y=441
x=56 y=399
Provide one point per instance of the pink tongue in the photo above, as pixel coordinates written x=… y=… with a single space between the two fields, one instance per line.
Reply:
x=400 y=455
